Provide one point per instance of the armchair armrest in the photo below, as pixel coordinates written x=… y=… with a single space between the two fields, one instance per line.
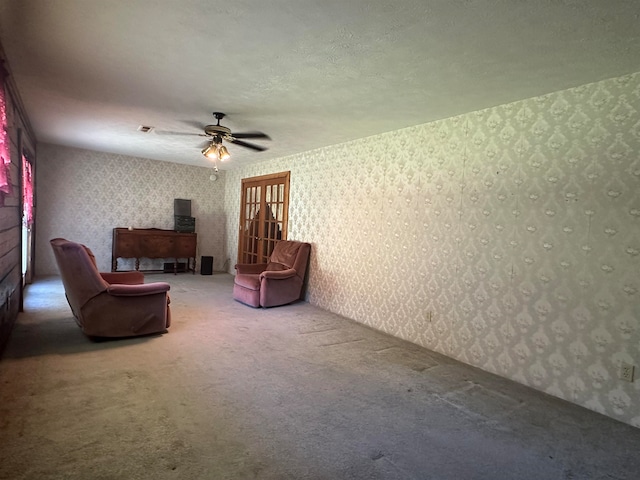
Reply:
x=127 y=278
x=278 y=274
x=250 y=268
x=121 y=290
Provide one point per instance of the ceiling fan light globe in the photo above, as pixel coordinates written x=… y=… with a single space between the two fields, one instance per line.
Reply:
x=210 y=152
x=223 y=153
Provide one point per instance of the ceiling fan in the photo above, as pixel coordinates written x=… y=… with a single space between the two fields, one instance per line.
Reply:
x=213 y=149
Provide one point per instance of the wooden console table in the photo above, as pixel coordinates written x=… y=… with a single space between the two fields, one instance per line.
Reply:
x=153 y=243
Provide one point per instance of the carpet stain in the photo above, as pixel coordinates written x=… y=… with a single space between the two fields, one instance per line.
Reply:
x=377 y=456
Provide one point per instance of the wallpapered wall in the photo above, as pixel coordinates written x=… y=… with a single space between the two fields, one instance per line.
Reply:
x=507 y=238
x=83 y=195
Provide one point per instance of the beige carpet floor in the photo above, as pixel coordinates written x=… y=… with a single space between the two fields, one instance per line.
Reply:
x=291 y=392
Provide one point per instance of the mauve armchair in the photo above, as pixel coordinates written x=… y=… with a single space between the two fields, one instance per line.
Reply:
x=114 y=304
x=277 y=282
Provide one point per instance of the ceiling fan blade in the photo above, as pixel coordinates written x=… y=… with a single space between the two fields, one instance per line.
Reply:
x=251 y=135
x=257 y=148
x=194 y=124
x=165 y=132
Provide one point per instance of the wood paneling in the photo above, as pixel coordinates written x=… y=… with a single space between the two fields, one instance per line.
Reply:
x=18 y=128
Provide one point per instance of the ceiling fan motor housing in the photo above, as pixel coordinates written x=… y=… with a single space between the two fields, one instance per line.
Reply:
x=217 y=130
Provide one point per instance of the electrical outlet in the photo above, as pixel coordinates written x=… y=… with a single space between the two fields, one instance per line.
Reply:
x=626 y=372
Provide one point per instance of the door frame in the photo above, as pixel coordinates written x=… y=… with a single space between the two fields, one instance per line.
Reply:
x=263 y=239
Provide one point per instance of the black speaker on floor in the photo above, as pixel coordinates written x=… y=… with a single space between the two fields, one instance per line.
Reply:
x=206 y=265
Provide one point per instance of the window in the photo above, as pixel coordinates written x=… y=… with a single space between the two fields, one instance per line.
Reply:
x=5 y=152
x=27 y=193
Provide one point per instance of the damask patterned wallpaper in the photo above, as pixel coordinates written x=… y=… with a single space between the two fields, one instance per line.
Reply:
x=82 y=195
x=507 y=238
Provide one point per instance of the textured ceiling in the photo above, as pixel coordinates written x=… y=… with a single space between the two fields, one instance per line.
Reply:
x=309 y=73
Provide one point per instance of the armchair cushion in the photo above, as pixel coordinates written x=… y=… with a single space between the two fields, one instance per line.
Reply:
x=275 y=267
x=286 y=253
x=251 y=268
x=249 y=281
x=126 y=278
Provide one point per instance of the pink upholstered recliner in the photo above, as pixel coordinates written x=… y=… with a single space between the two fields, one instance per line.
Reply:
x=115 y=304
x=275 y=283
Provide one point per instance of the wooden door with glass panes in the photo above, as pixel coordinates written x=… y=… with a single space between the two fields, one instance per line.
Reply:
x=264 y=212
